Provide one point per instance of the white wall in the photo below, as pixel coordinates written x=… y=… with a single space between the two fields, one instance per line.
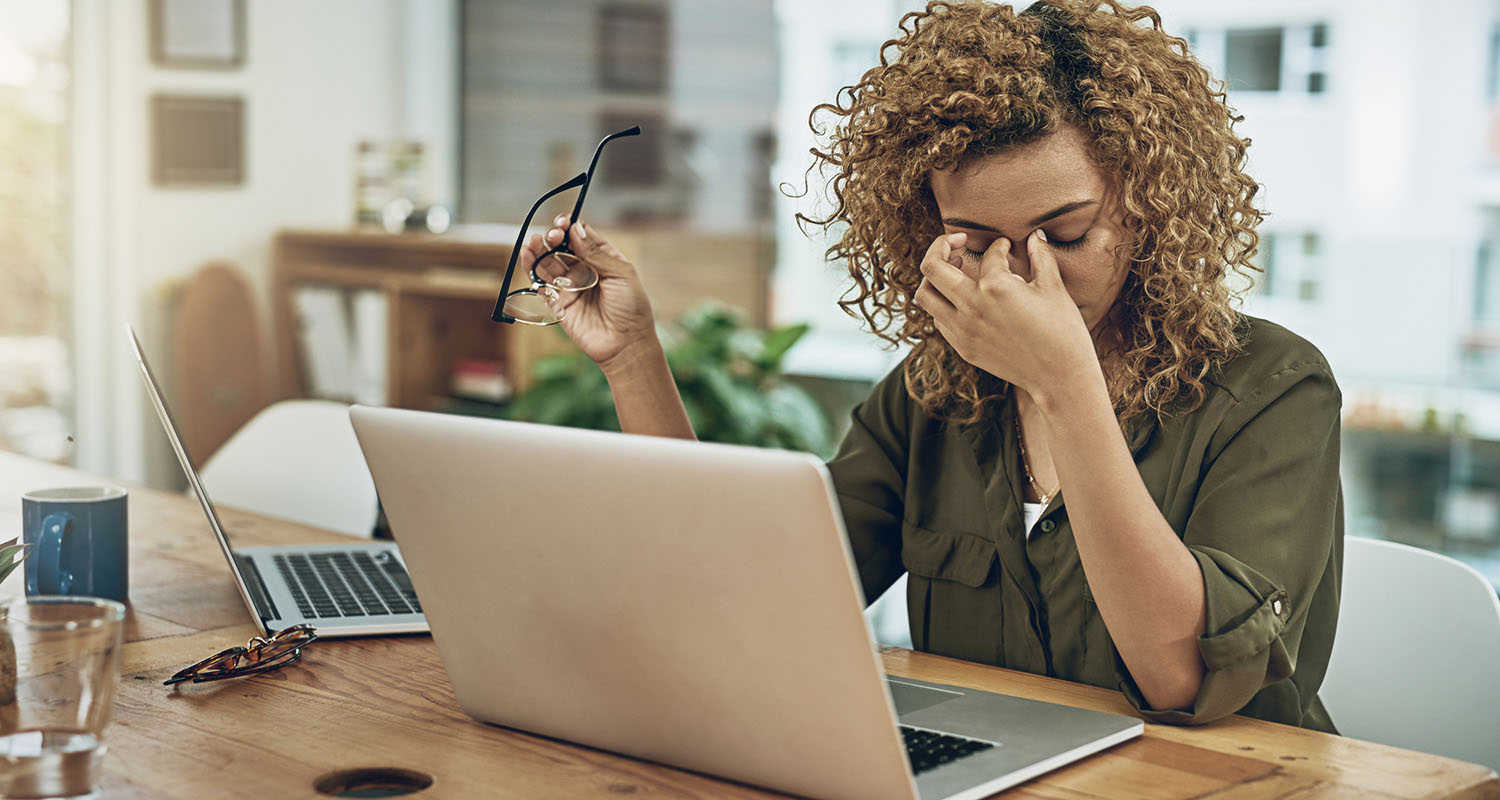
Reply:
x=318 y=77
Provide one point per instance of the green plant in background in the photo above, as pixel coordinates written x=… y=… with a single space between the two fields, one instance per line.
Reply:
x=729 y=375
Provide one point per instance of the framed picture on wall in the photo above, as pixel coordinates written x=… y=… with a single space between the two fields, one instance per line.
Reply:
x=197 y=140
x=198 y=34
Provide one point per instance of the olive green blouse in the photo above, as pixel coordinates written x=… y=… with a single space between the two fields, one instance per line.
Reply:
x=1249 y=480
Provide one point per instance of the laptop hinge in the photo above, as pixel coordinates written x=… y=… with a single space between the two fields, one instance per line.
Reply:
x=263 y=605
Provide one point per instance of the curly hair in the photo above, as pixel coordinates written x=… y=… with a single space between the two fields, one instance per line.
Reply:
x=970 y=79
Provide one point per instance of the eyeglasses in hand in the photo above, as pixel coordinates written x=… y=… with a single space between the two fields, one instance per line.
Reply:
x=557 y=270
x=257 y=656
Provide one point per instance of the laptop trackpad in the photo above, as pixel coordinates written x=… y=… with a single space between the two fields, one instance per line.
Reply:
x=910 y=697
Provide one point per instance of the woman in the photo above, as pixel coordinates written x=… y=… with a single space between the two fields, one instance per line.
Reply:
x=1090 y=465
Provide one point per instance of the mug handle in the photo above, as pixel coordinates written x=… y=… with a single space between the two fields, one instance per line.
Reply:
x=51 y=576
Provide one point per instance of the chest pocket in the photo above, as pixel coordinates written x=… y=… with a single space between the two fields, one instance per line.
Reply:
x=952 y=593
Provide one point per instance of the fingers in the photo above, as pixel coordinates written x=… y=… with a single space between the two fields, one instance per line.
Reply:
x=560 y=301
x=1043 y=263
x=586 y=243
x=933 y=301
x=951 y=253
x=995 y=264
x=530 y=252
x=942 y=272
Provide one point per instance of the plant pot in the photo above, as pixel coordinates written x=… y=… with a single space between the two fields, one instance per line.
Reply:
x=9 y=711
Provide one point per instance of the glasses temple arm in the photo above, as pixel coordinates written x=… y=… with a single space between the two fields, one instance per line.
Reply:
x=633 y=130
x=499 y=315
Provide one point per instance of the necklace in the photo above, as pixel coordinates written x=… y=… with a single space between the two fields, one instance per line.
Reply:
x=1044 y=497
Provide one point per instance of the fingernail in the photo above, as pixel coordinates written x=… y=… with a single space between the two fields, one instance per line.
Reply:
x=1041 y=234
x=582 y=231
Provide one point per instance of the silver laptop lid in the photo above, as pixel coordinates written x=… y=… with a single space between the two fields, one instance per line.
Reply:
x=682 y=602
x=170 y=425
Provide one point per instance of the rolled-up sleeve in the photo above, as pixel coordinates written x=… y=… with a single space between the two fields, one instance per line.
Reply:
x=1264 y=528
x=869 y=474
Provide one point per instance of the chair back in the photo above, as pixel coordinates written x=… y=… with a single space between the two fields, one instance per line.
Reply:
x=219 y=360
x=297 y=460
x=1416 y=660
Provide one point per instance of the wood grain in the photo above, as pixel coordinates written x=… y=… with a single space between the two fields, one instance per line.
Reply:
x=386 y=702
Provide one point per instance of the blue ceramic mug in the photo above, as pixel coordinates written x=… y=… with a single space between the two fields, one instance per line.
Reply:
x=77 y=541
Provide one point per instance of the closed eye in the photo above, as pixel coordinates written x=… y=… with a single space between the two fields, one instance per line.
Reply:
x=1064 y=245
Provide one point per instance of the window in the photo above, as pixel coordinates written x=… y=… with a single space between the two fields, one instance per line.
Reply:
x=1492 y=95
x=1487 y=285
x=1291 y=265
x=1286 y=59
x=1252 y=59
x=699 y=78
x=634 y=50
x=36 y=379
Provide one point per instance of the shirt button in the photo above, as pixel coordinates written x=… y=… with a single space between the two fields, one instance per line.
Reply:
x=1048 y=525
x=1276 y=607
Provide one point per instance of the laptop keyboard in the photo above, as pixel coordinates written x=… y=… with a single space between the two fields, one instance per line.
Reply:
x=347 y=584
x=928 y=750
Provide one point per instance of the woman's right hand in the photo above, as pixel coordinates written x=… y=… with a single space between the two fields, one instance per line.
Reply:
x=611 y=318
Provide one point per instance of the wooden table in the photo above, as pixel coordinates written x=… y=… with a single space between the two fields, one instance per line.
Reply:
x=386 y=702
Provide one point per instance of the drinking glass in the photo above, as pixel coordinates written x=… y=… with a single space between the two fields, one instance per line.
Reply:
x=59 y=666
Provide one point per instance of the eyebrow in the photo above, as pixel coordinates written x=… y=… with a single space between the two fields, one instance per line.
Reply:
x=959 y=222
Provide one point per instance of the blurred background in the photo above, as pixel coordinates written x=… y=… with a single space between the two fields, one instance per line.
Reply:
x=292 y=199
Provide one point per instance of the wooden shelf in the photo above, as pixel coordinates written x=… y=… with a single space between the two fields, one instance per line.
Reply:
x=440 y=290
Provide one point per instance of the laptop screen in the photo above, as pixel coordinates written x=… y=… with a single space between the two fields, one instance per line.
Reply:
x=153 y=388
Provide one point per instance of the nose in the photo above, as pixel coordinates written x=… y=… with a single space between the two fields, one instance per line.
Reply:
x=1020 y=262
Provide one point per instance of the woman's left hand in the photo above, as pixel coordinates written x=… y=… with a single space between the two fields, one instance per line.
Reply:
x=1029 y=334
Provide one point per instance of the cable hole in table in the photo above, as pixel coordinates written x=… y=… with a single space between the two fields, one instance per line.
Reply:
x=372 y=782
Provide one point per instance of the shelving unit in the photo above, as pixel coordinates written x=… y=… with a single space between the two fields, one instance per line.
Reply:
x=440 y=290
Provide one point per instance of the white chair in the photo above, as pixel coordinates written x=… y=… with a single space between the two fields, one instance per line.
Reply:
x=887 y=616
x=1416 y=660
x=297 y=460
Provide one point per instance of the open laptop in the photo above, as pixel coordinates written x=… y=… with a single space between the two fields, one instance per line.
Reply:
x=347 y=589
x=687 y=603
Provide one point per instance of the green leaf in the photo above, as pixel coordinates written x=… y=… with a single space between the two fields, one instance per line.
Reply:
x=778 y=342
x=800 y=420
x=744 y=412
x=11 y=556
x=558 y=367
x=729 y=376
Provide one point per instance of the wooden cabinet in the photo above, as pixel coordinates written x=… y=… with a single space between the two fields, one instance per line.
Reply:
x=440 y=290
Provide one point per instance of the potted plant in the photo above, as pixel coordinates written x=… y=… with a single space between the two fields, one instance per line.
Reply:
x=11 y=554
x=729 y=376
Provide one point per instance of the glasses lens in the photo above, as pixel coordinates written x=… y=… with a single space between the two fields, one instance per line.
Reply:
x=565 y=272
x=528 y=307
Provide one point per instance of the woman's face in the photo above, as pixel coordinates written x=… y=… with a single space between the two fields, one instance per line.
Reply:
x=1051 y=184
